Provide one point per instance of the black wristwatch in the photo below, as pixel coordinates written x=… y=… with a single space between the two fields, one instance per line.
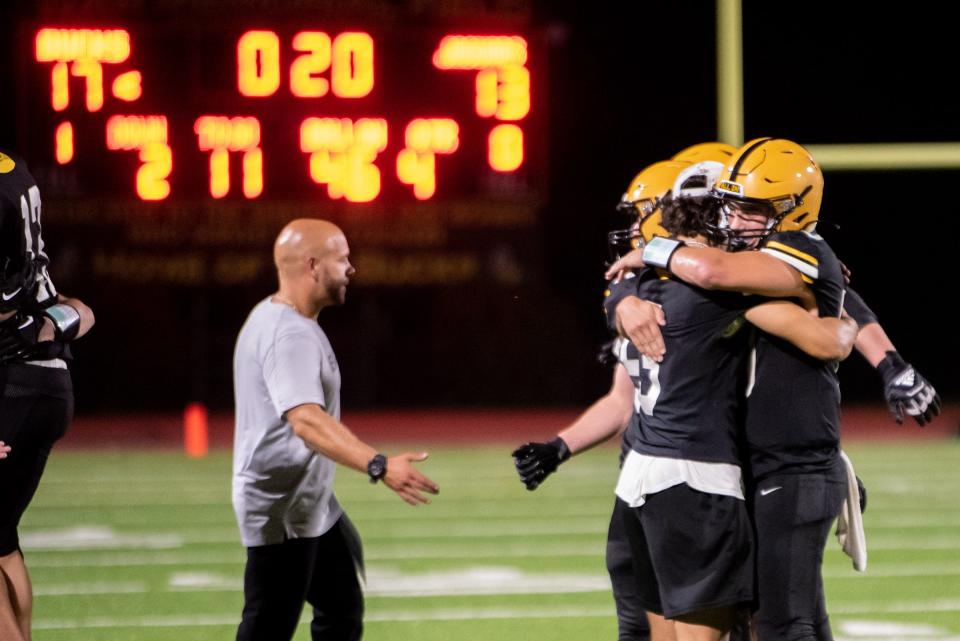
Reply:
x=377 y=468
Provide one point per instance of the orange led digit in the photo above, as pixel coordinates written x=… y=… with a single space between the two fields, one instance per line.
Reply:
x=258 y=63
x=219 y=173
x=253 y=172
x=505 y=148
x=127 y=86
x=152 y=183
x=93 y=73
x=513 y=92
x=487 y=93
x=64 y=143
x=60 y=86
x=352 y=67
x=315 y=60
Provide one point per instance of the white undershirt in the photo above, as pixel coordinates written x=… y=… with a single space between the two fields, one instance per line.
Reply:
x=642 y=475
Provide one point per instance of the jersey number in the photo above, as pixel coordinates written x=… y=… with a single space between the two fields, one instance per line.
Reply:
x=645 y=400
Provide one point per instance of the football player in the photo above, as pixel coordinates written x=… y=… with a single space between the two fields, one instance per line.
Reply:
x=667 y=440
x=771 y=192
x=36 y=398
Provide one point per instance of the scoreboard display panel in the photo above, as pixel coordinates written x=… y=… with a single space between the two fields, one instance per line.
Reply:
x=314 y=110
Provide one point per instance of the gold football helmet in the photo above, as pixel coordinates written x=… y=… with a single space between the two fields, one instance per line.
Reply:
x=778 y=175
x=716 y=151
x=643 y=200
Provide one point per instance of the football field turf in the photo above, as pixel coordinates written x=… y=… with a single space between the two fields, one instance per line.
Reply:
x=142 y=545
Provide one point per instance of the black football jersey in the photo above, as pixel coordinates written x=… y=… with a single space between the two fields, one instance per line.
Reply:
x=24 y=279
x=688 y=406
x=793 y=403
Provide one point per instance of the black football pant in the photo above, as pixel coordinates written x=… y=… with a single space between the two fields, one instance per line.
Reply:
x=793 y=515
x=36 y=406
x=632 y=624
x=323 y=571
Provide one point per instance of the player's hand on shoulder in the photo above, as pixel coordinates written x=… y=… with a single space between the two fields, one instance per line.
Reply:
x=906 y=391
x=406 y=480
x=536 y=461
x=640 y=321
x=631 y=260
x=4 y=450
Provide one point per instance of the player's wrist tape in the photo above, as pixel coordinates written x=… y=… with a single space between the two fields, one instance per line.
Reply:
x=66 y=321
x=563 y=451
x=891 y=365
x=659 y=251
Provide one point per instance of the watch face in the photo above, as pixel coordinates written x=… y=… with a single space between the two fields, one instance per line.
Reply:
x=377 y=466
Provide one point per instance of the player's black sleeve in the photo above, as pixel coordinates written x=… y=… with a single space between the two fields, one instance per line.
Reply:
x=618 y=290
x=857 y=309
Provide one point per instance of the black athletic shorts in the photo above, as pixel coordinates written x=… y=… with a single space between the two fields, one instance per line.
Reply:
x=794 y=515
x=632 y=624
x=692 y=551
x=36 y=406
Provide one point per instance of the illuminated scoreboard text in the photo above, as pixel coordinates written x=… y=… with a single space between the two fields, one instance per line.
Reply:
x=302 y=105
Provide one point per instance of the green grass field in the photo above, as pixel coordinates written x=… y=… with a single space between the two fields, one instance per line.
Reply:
x=143 y=545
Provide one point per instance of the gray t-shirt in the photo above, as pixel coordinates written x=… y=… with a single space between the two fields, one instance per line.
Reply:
x=281 y=488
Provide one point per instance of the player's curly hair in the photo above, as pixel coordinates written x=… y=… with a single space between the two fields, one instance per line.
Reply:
x=690 y=216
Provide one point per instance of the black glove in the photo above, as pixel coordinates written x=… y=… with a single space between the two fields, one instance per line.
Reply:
x=862 y=491
x=536 y=461
x=906 y=390
x=18 y=336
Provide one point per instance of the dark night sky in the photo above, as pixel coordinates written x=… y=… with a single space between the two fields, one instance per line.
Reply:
x=627 y=87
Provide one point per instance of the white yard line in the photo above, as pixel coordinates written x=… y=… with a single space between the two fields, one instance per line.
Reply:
x=82 y=589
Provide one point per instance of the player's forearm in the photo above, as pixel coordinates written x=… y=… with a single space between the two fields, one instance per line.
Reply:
x=605 y=418
x=873 y=343
x=826 y=339
x=602 y=420
x=87 y=318
x=748 y=272
x=328 y=436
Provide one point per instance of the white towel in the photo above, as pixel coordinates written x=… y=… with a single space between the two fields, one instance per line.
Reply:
x=850 y=522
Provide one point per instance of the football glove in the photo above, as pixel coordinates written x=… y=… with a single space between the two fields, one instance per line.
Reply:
x=907 y=391
x=18 y=336
x=862 y=491
x=536 y=461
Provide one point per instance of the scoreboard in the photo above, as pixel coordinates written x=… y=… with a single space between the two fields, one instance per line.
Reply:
x=183 y=112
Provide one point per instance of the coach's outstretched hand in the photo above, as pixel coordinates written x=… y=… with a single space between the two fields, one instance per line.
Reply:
x=536 y=461
x=406 y=480
x=4 y=449
x=907 y=391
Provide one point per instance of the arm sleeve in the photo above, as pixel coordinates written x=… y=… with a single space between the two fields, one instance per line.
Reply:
x=857 y=309
x=616 y=291
x=292 y=370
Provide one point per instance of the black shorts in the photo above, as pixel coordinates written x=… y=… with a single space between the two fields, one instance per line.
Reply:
x=794 y=514
x=632 y=624
x=692 y=551
x=36 y=406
